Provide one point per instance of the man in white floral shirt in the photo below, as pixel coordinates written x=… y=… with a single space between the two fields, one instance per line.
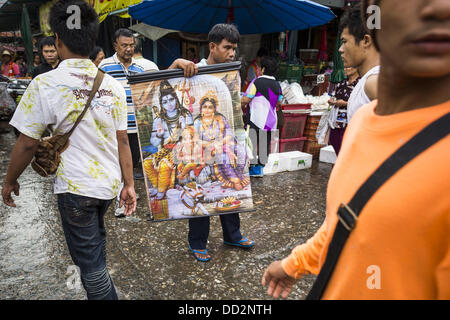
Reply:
x=98 y=157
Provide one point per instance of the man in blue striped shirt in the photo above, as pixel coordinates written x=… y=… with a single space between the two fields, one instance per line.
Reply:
x=119 y=66
x=122 y=64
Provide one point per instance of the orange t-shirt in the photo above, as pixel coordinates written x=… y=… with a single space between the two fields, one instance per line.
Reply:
x=400 y=248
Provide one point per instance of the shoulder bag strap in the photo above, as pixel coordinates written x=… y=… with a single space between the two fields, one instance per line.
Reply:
x=97 y=82
x=348 y=213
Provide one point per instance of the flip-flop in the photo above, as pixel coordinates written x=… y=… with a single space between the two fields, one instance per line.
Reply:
x=205 y=252
x=239 y=243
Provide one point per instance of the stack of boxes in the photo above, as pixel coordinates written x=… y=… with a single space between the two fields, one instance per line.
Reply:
x=311 y=145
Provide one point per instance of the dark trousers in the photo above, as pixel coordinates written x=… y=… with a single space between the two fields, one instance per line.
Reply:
x=199 y=230
x=336 y=136
x=134 y=146
x=263 y=139
x=84 y=229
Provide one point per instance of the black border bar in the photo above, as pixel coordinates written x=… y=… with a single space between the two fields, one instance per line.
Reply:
x=176 y=73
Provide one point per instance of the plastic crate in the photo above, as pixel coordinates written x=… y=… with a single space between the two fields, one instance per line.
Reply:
x=290 y=72
x=295 y=144
x=309 y=56
x=309 y=70
x=296 y=106
x=294 y=70
x=294 y=125
x=282 y=71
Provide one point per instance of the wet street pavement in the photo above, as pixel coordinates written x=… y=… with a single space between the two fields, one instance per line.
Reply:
x=149 y=260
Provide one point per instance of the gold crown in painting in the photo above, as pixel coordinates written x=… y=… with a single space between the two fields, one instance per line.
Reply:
x=209 y=96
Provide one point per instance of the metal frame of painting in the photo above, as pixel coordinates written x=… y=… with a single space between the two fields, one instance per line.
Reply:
x=193 y=142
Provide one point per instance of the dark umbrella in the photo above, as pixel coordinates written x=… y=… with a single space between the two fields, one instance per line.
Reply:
x=250 y=16
x=338 y=64
x=25 y=32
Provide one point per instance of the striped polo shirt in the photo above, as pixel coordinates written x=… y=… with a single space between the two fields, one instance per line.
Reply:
x=116 y=69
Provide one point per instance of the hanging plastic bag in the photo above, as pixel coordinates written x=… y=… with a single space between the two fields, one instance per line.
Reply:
x=323 y=128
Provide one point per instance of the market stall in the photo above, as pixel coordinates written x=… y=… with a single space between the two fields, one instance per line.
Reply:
x=302 y=115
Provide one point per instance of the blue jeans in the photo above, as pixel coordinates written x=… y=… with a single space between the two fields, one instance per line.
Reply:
x=84 y=229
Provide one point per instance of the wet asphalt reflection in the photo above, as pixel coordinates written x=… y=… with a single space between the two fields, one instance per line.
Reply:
x=150 y=260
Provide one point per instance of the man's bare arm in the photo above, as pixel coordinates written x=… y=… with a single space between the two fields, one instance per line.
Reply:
x=244 y=102
x=21 y=156
x=128 y=194
x=190 y=69
x=371 y=87
x=125 y=160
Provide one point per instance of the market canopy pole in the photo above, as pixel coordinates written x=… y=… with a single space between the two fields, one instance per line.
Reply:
x=230 y=16
x=25 y=31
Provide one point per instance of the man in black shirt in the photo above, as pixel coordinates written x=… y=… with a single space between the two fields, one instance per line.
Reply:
x=51 y=59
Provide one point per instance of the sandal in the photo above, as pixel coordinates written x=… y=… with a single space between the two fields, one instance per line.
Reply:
x=243 y=243
x=196 y=254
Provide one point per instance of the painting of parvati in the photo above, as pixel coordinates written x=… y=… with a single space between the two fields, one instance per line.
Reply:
x=193 y=149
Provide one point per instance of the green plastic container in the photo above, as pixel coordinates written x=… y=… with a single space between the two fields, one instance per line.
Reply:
x=282 y=71
x=294 y=71
x=290 y=72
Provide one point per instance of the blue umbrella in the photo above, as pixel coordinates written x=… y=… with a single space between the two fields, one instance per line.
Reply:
x=250 y=16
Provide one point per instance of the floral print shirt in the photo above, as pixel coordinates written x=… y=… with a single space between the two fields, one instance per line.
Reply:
x=90 y=165
x=343 y=91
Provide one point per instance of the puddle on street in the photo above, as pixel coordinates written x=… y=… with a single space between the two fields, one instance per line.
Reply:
x=33 y=257
x=152 y=260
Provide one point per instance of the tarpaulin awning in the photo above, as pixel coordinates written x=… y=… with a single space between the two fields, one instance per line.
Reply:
x=250 y=16
x=151 y=32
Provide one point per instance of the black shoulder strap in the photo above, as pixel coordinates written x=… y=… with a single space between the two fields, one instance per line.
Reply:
x=348 y=213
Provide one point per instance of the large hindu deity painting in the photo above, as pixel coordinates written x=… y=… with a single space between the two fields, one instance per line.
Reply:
x=192 y=142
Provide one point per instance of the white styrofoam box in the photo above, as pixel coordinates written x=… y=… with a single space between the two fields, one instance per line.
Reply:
x=275 y=141
x=273 y=164
x=296 y=160
x=327 y=154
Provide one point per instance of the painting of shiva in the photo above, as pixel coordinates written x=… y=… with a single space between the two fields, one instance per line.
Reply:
x=193 y=144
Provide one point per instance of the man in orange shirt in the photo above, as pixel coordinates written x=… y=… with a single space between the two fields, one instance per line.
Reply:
x=400 y=247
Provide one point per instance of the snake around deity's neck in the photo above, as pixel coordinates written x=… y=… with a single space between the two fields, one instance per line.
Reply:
x=166 y=118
